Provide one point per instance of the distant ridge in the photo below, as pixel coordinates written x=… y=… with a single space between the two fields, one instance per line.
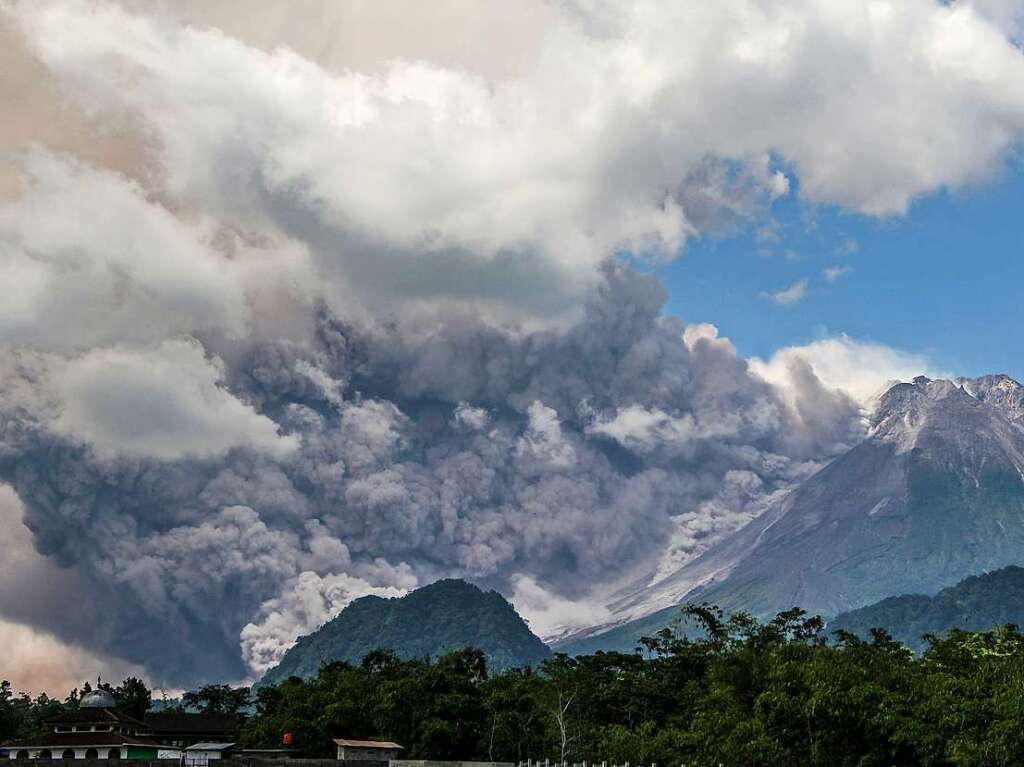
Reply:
x=978 y=603
x=444 y=616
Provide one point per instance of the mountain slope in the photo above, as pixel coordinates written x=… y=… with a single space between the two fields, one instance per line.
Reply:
x=978 y=603
x=444 y=616
x=934 y=494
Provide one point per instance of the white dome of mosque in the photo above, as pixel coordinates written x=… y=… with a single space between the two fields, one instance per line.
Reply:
x=97 y=699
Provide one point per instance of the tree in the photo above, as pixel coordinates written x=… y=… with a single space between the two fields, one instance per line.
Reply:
x=133 y=697
x=566 y=733
x=217 y=699
x=742 y=692
x=10 y=716
x=517 y=720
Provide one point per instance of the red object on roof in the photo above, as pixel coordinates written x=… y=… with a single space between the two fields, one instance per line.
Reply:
x=386 y=744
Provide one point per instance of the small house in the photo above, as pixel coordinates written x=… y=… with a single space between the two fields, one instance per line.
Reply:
x=201 y=754
x=366 y=750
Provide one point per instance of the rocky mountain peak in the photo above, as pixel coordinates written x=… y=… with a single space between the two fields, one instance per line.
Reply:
x=999 y=390
x=906 y=409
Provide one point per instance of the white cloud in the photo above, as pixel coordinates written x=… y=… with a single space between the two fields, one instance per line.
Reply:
x=617 y=128
x=788 y=296
x=309 y=601
x=833 y=273
x=551 y=616
x=542 y=444
x=88 y=258
x=708 y=333
x=1008 y=15
x=646 y=429
x=779 y=185
x=164 y=402
x=367 y=37
x=860 y=368
x=469 y=417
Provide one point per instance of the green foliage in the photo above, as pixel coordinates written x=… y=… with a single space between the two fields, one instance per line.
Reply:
x=974 y=604
x=742 y=693
x=133 y=697
x=22 y=716
x=727 y=691
x=17 y=713
x=217 y=699
x=444 y=616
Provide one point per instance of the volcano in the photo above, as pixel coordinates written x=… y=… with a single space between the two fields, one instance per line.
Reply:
x=934 y=494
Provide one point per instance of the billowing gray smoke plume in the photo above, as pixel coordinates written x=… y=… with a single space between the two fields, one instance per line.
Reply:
x=571 y=456
x=295 y=312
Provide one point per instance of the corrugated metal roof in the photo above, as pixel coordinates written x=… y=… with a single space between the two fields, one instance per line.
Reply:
x=366 y=743
x=210 y=747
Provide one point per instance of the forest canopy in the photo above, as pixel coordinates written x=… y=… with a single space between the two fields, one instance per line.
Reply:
x=743 y=692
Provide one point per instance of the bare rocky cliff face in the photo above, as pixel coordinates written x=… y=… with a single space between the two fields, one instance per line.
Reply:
x=934 y=494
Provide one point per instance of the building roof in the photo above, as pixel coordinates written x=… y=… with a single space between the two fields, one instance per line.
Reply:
x=387 y=744
x=97 y=699
x=210 y=747
x=172 y=722
x=53 y=740
x=93 y=716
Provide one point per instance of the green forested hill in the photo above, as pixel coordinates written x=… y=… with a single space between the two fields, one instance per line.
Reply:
x=978 y=603
x=444 y=616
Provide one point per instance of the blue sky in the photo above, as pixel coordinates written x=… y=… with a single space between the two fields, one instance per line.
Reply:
x=945 y=280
